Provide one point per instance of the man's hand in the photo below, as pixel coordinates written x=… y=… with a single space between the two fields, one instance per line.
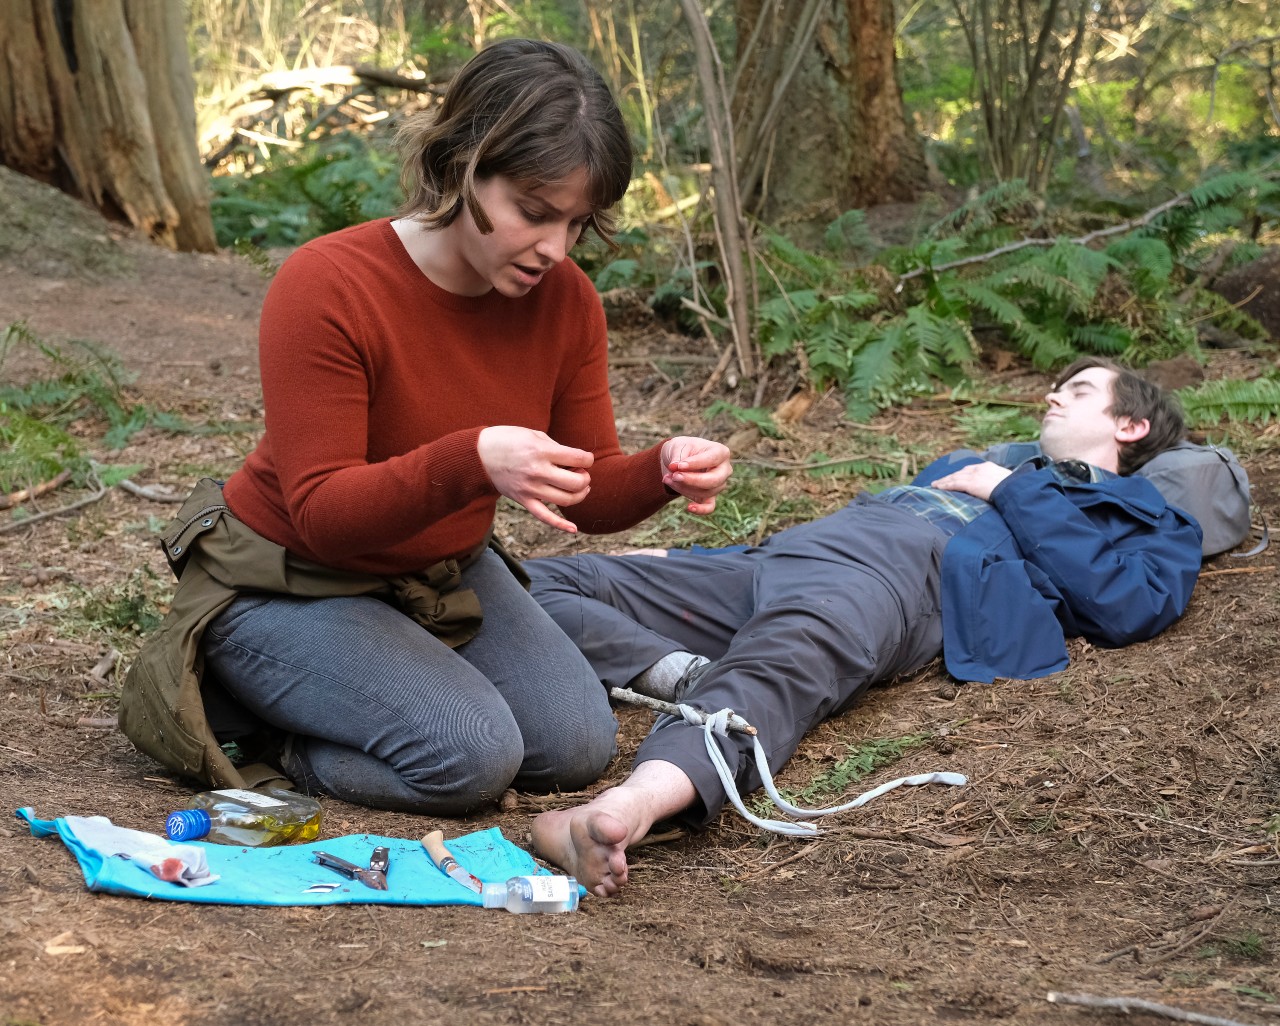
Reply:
x=696 y=468
x=977 y=479
x=533 y=469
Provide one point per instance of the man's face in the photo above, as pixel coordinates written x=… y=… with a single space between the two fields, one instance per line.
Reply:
x=1078 y=424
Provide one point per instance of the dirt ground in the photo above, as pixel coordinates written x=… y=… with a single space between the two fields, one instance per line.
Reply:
x=1118 y=837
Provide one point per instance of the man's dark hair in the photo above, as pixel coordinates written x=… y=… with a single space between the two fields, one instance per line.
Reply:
x=530 y=110
x=1135 y=397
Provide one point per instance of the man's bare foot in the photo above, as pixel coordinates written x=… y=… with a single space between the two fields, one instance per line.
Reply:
x=591 y=841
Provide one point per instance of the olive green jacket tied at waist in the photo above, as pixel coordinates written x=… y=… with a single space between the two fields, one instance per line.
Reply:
x=216 y=557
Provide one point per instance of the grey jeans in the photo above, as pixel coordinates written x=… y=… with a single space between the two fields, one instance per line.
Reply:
x=799 y=627
x=386 y=715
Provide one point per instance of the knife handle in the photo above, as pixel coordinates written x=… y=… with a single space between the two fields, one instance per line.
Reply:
x=434 y=843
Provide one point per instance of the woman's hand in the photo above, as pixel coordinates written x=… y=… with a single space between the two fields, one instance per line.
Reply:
x=696 y=468
x=531 y=468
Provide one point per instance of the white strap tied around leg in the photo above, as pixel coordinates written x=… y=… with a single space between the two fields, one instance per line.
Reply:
x=721 y=722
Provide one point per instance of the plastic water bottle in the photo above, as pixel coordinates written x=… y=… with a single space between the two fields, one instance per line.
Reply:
x=532 y=894
x=250 y=819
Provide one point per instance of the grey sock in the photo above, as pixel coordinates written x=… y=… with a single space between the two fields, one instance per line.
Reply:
x=660 y=679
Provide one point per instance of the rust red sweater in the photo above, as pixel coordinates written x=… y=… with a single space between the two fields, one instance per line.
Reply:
x=376 y=385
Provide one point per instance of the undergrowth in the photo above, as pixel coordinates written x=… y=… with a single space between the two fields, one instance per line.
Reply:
x=80 y=387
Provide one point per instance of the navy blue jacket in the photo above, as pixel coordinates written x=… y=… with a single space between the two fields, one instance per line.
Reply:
x=1110 y=561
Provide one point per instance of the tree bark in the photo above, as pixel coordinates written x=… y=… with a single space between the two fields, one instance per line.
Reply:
x=97 y=98
x=843 y=140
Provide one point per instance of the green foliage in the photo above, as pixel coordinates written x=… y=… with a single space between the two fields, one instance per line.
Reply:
x=1050 y=302
x=983 y=424
x=861 y=761
x=1000 y=207
x=83 y=382
x=337 y=181
x=757 y=417
x=848 y=235
x=129 y=607
x=1254 y=402
x=871 y=468
x=748 y=510
x=32 y=451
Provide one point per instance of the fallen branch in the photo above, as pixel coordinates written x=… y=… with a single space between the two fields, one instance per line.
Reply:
x=151 y=492
x=1238 y=570
x=1123 y=1004
x=104 y=666
x=35 y=491
x=736 y=723
x=88 y=500
x=1081 y=240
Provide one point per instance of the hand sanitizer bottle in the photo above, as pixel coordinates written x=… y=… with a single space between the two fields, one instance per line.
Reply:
x=532 y=894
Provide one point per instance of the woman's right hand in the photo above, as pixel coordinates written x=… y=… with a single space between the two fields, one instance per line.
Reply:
x=531 y=468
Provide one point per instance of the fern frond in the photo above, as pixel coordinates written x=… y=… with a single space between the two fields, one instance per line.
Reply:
x=1105 y=339
x=1033 y=276
x=1251 y=402
x=1226 y=186
x=945 y=339
x=984 y=211
x=1082 y=266
x=980 y=295
x=1145 y=259
x=849 y=233
x=1043 y=349
x=877 y=365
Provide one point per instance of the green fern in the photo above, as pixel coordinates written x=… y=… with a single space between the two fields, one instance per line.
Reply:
x=82 y=381
x=1103 y=339
x=756 y=416
x=1146 y=262
x=1254 y=402
x=980 y=295
x=869 y=468
x=1000 y=203
x=32 y=451
x=848 y=234
x=1230 y=186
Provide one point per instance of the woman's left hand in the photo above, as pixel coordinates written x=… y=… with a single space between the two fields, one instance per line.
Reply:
x=696 y=468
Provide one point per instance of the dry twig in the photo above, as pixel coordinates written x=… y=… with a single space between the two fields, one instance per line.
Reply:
x=1126 y=1005
x=24 y=494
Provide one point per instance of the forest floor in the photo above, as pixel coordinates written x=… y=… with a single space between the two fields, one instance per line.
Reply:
x=1118 y=835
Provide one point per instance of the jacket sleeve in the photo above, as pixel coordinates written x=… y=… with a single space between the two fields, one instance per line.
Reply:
x=1122 y=560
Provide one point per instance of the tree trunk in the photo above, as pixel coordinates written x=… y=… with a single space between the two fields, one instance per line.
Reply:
x=97 y=98
x=841 y=140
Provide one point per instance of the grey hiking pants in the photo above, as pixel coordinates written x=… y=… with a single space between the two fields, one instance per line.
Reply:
x=385 y=714
x=798 y=627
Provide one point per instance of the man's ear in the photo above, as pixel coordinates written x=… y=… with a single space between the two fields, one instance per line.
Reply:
x=1129 y=430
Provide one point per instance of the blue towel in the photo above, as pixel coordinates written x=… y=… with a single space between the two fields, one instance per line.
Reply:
x=281 y=876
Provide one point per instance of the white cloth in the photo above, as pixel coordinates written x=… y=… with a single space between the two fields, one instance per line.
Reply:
x=183 y=864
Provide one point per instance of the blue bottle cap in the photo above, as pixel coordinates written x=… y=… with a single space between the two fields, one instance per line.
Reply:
x=187 y=824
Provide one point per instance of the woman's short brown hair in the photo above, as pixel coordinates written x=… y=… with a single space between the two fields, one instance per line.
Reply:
x=532 y=111
x=1135 y=397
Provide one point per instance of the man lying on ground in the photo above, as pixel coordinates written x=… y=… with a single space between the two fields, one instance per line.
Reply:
x=994 y=566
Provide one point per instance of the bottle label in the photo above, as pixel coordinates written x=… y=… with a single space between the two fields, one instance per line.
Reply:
x=549 y=888
x=258 y=801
